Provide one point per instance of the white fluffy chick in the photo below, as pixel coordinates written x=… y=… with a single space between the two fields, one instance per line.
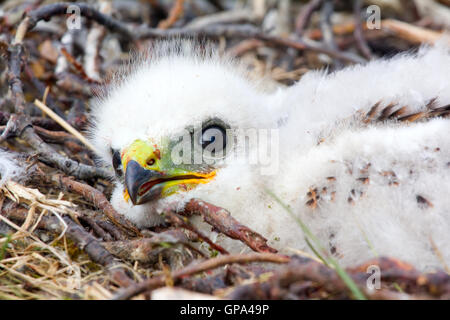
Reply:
x=361 y=155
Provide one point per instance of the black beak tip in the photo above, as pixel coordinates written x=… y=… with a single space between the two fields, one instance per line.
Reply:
x=133 y=180
x=135 y=177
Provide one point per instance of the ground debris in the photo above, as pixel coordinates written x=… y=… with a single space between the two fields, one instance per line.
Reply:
x=60 y=237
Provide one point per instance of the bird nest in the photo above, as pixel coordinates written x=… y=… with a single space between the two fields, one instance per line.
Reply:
x=62 y=239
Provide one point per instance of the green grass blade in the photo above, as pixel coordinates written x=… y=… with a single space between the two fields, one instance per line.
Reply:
x=312 y=239
x=4 y=247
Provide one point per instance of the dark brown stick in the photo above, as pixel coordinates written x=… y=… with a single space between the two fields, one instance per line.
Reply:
x=48 y=11
x=361 y=42
x=40 y=87
x=304 y=16
x=327 y=29
x=174 y=14
x=19 y=124
x=147 y=250
x=46 y=123
x=68 y=166
x=97 y=229
x=213 y=31
x=56 y=136
x=82 y=238
x=78 y=66
x=222 y=220
x=202 y=266
x=98 y=200
x=182 y=222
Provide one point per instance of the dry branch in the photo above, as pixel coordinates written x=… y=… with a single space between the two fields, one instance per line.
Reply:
x=153 y=283
x=214 y=31
x=182 y=222
x=239 y=33
x=49 y=155
x=410 y=32
x=359 y=35
x=82 y=238
x=19 y=124
x=222 y=221
x=304 y=16
x=175 y=13
x=97 y=199
x=147 y=250
x=305 y=278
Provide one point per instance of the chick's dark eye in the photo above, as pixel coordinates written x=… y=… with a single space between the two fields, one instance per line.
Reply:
x=116 y=162
x=214 y=138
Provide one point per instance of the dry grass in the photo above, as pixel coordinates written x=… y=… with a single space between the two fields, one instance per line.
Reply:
x=36 y=263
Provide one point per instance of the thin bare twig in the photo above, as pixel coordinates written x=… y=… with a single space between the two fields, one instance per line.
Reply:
x=78 y=66
x=213 y=31
x=222 y=220
x=97 y=199
x=19 y=124
x=327 y=29
x=182 y=222
x=153 y=283
x=68 y=166
x=410 y=32
x=361 y=42
x=305 y=14
x=82 y=238
x=64 y=124
x=174 y=14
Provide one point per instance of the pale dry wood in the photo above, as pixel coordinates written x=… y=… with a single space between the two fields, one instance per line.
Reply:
x=412 y=33
x=63 y=124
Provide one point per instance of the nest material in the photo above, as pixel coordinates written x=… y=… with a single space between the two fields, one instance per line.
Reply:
x=62 y=239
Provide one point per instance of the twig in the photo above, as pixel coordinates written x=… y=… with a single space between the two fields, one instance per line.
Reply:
x=68 y=166
x=118 y=233
x=15 y=65
x=94 y=196
x=174 y=14
x=19 y=124
x=214 y=31
x=325 y=23
x=228 y=17
x=78 y=67
x=41 y=88
x=71 y=82
x=94 y=42
x=304 y=16
x=361 y=42
x=303 y=278
x=97 y=229
x=48 y=11
x=54 y=136
x=60 y=137
x=84 y=241
x=245 y=46
x=63 y=124
x=67 y=41
x=175 y=219
x=35 y=121
x=98 y=200
x=147 y=250
x=153 y=283
x=222 y=220
x=326 y=27
x=411 y=33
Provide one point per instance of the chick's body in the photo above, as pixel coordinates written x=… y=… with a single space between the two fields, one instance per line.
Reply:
x=342 y=150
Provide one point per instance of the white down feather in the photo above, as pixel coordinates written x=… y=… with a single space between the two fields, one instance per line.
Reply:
x=405 y=214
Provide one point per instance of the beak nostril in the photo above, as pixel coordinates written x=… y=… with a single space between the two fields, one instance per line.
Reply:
x=150 y=162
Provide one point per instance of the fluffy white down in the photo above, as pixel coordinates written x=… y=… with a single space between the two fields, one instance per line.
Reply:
x=401 y=210
x=9 y=168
